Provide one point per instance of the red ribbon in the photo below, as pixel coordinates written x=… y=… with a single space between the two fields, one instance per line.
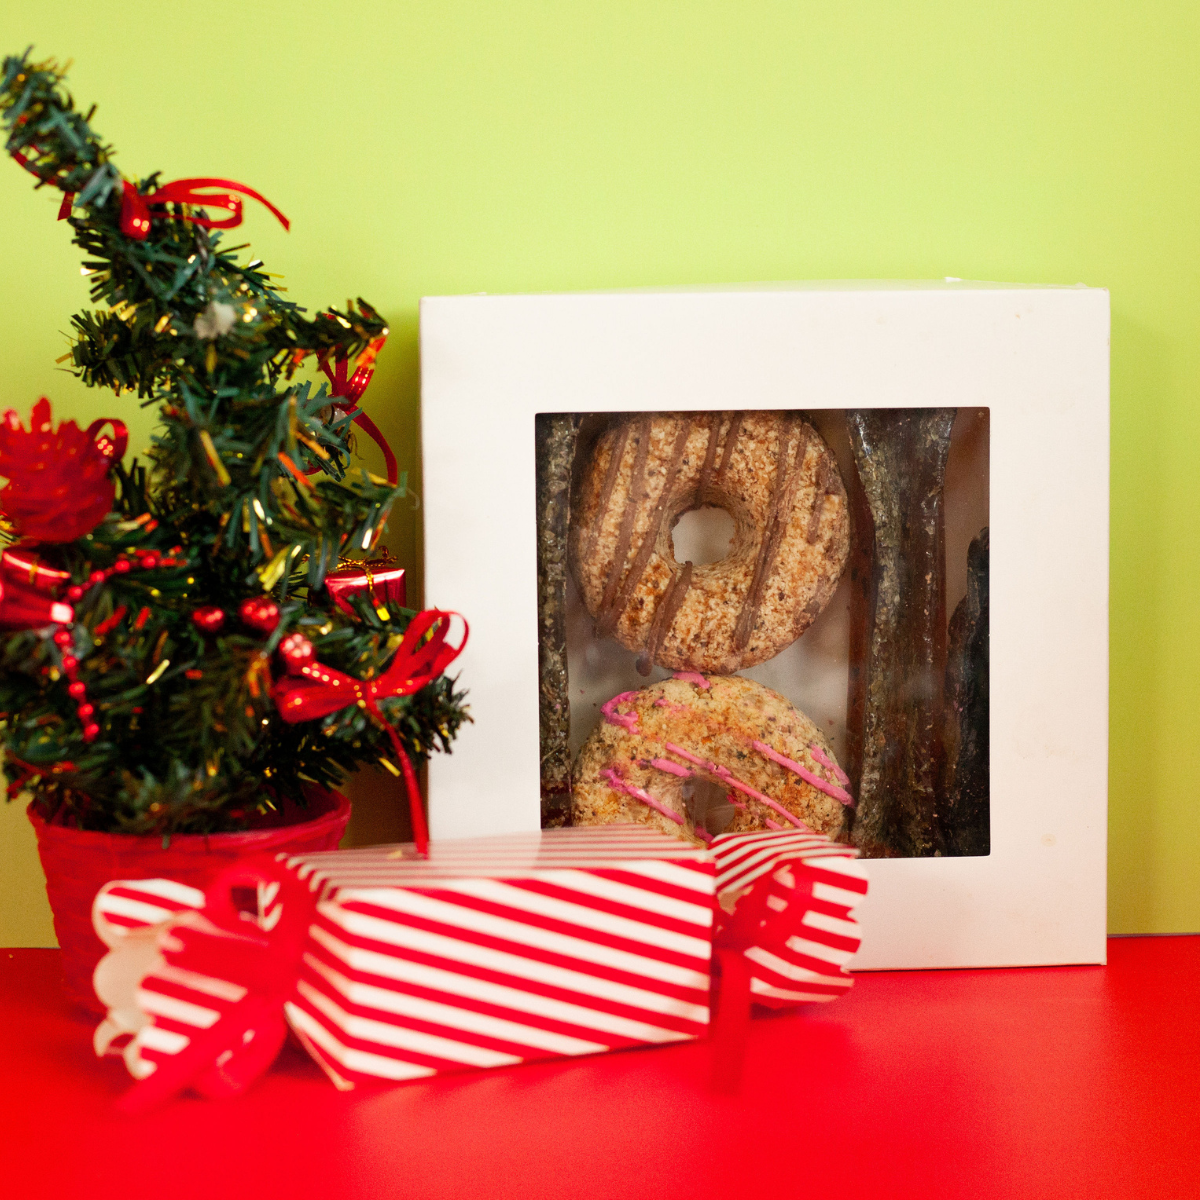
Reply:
x=29 y=771
x=20 y=565
x=135 y=206
x=319 y=690
x=112 y=448
x=351 y=390
x=765 y=917
x=136 y=214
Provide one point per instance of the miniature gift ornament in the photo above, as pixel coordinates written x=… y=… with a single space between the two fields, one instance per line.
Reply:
x=381 y=579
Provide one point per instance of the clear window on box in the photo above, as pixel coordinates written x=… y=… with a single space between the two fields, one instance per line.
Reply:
x=767 y=620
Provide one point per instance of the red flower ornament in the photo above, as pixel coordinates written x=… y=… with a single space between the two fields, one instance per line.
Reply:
x=59 y=482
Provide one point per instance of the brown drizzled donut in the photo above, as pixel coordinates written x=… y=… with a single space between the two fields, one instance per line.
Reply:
x=775 y=477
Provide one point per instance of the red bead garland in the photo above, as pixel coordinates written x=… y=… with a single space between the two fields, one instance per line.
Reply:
x=76 y=688
x=147 y=560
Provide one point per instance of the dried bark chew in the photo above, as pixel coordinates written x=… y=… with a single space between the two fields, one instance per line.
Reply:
x=862 y=541
x=966 y=818
x=901 y=460
x=555 y=437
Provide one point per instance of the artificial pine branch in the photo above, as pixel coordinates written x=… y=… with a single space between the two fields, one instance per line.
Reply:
x=184 y=324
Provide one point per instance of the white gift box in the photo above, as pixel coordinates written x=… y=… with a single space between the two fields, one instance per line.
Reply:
x=1035 y=357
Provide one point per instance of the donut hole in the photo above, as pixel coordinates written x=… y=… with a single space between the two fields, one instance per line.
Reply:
x=703 y=535
x=708 y=805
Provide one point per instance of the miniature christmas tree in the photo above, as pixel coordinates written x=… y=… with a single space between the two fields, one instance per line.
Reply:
x=205 y=674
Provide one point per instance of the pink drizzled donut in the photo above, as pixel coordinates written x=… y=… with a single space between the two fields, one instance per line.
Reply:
x=775 y=767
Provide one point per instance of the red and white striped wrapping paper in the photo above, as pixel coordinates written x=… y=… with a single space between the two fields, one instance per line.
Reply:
x=503 y=950
x=490 y=952
x=820 y=882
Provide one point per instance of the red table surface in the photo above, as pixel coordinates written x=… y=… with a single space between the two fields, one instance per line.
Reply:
x=1056 y=1082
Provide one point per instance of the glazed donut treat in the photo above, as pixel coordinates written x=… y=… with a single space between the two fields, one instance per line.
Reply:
x=772 y=473
x=775 y=766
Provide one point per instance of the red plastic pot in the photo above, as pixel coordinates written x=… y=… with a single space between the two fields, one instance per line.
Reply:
x=79 y=862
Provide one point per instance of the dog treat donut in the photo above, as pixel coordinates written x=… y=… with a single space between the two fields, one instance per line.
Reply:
x=774 y=765
x=772 y=473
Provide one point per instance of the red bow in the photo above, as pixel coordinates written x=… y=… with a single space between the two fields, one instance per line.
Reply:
x=319 y=690
x=135 y=207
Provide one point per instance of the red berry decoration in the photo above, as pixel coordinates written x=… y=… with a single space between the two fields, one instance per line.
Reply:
x=260 y=614
x=208 y=619
x=297 y=652
x=59 y=482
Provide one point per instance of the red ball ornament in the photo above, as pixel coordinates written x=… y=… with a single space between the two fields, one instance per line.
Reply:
x=208 y=619
x=297 y=652
x=260 y=614
x=59 y=481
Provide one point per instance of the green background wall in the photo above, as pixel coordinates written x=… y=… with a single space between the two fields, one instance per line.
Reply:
x=461 y=145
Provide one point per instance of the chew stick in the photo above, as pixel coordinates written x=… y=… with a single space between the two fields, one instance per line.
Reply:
x=555 y=436
x=901 y=460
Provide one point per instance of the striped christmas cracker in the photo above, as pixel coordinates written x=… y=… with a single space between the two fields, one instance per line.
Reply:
x=503 y=950
x=820 y=882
